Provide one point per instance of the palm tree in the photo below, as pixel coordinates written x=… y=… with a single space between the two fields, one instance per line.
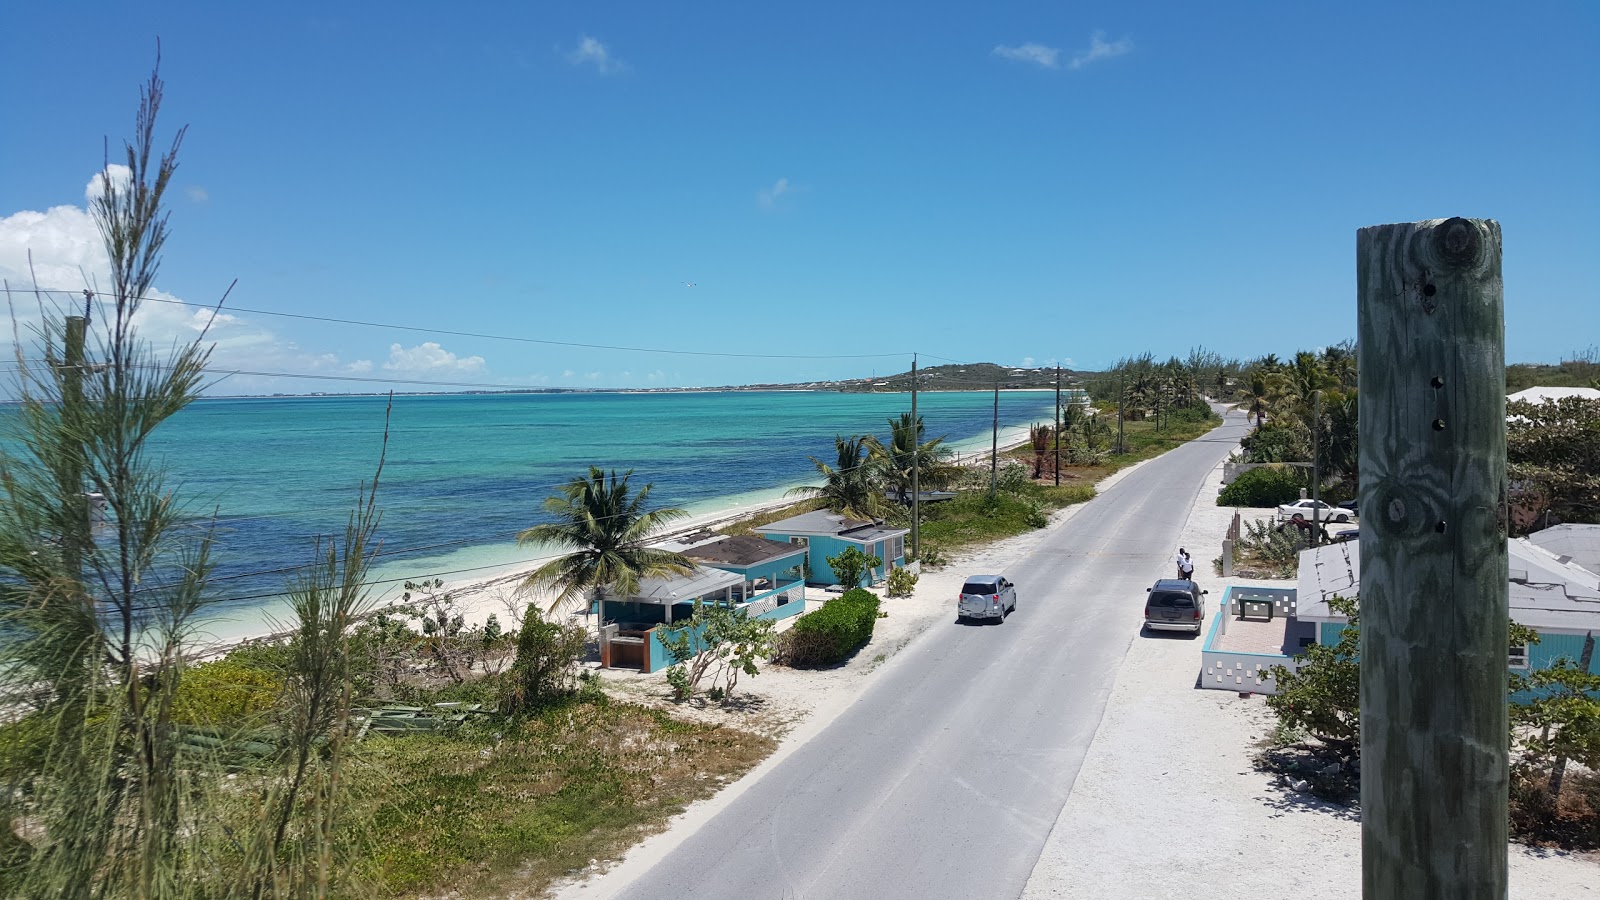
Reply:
x=1255 y=394
x=895 y=460
x=851 y=487
x=1039 y=436
x=607 y=527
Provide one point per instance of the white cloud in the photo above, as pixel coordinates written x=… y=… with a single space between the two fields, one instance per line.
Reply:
x=360 y=365
x=1027 y=362
x=1038 y=54
x=429 y=357
x=568 y=373
x=67 y=253
x=591 y=52
x=197 y=194
x=1099 y=49
x=768 y=197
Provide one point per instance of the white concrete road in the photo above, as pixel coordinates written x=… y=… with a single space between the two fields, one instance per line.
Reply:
x=945 y=776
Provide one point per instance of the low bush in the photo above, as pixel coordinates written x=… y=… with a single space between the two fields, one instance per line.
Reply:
x=544 y=671
x=1263 y=487
x=227 y=691
x=901 y=582
x=832 y=633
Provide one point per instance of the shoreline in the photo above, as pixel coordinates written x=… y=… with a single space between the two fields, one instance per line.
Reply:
x=493 y=591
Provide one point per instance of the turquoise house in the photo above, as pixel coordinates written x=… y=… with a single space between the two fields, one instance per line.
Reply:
x=1550 y=594
x=756 y=577
x=822 y=534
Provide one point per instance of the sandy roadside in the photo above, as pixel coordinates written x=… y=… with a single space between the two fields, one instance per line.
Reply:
x=1168 y=803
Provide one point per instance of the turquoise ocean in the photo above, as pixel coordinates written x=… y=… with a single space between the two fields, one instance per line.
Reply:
x=465 y=473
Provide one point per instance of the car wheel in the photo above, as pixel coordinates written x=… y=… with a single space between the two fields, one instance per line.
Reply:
x=1341 y=518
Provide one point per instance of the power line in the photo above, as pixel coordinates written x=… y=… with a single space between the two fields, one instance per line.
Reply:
x=475 y=334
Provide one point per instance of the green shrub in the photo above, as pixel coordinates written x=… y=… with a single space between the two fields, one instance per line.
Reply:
x=1263 y=487
x=851 y=565
x=547 y=654
x=227 y=691
x=901 y=582
x=830 y=634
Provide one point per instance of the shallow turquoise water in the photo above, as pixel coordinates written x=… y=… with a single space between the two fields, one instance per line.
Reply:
x=469 y=471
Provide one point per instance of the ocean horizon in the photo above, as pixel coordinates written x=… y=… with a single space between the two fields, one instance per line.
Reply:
x=465 y=472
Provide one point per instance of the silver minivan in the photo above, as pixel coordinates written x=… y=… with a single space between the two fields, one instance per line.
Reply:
x=986 y=597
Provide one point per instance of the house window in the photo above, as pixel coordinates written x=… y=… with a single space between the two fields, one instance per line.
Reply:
x=800 y=541
x=899 y=547
x=1518 y=658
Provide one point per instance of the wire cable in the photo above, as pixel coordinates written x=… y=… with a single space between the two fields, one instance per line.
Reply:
x=476 y=334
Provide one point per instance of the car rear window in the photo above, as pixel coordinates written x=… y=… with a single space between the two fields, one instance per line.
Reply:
x=1171 y=599
x=979 y=587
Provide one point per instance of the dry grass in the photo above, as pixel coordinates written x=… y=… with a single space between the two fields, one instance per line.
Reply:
x=486 y=817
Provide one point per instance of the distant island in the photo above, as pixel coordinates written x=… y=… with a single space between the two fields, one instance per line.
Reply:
x=955 y=377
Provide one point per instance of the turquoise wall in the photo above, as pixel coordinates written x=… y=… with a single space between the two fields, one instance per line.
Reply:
x=824 y=546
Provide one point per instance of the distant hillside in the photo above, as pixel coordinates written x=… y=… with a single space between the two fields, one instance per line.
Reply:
x=968 y=377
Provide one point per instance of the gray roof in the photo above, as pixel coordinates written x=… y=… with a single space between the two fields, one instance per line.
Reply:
x=700 y=582
x=741 y=550
x=1548 y=593
x=1580 y=543
x=826 y=522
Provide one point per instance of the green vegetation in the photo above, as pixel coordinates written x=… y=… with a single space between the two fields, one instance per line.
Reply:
x=1553 y=460
x=716 y=641
x=851 y=565
x=829 y=635
x=908 y=446
x=854 y=487
x=1266 y=550
x=513 y=806
x=1260 y=488
x=542 y=673
x=1554 y=718
x=127 y=798
x=606 y=529
x=902 y=582
x=1581 y=370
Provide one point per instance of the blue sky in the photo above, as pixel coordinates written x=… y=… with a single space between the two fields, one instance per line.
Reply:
x=1021 y=184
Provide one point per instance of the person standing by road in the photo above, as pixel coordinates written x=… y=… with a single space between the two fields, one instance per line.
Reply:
x=1185 y=565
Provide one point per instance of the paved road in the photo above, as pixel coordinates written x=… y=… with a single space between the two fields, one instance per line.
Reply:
x=945 y=776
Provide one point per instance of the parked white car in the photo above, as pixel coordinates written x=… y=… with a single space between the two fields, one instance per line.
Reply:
x=1304 y=508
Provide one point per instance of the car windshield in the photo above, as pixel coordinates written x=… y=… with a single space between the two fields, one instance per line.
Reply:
x=1171 y=599
x=980 y=587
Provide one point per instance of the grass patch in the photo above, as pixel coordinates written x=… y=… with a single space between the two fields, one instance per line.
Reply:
x=750 y=524
x=580 y=781
x=972 y=518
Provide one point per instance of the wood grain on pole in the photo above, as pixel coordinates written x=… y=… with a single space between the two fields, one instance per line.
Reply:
x=1434 y=580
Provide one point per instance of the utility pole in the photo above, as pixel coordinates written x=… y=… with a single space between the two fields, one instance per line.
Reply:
x=1316 y=462
x=1434 y=572
x=916 y=461
x=1058 y=426
x=1122 y=398
x=994 y=446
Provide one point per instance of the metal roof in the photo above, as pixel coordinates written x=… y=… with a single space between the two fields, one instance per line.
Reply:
x=1580 y=543
x=741 y=550
x=1548 y=592
x=827 y=522
x=1538 y=395
x=700 y=582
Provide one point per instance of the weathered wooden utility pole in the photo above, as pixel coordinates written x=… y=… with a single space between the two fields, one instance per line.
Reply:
x=994 y=446
x=1058 y=426
x=1434 y=575
x=916 y=460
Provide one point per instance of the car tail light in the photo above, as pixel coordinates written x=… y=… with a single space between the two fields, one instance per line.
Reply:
x=1197 y=615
